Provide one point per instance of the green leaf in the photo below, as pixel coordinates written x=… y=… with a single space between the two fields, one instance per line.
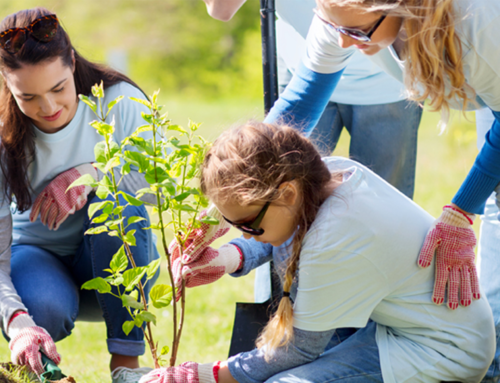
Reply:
x=138 y=321
x=95 y=207
x=100 y=152
x=119 y=262
x=141 y=101
x=152 y=268
x=131 y=277
x=129 y=238
x=131 y=200
x=187 y=208
x=146 y=316
x=147 y=117
x=126 y=169
x=131 y=301
x=98 y=90
x=113 y=103
x=96 y=230
x=132 y=220
x=209 y=220
x=128 y=326
x=177 y=128
x=164 y=350
x=86 y=180
x=109 y=208
x=119 y=209
x=117 y=281
x=112 y=163
x=100 y=219
x=98 y=284
x=161 y=296
x=144 y=128
x=103 y=128
x=136 y=159
x=89 y=102
x=182 y=197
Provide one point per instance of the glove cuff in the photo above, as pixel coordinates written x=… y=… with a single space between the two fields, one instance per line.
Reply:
x=232 y=257
x=206 y=372
x=455 y=217
x=19 y=323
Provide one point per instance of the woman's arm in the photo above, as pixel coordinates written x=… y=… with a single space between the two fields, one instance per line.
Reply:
x=484 y=175
x=304 y=99
x=223 y=10
x=10 y=302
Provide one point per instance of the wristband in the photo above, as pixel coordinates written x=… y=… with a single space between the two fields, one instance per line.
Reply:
x=16 y=314
x=459 y=211
x=216 y=371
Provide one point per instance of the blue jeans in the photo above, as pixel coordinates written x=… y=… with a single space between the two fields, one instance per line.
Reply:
x=489 y=272
x=49 y=285
x=383 y=138
x=351 y=357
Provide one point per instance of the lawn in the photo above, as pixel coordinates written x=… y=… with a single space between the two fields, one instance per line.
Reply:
x=443 y=162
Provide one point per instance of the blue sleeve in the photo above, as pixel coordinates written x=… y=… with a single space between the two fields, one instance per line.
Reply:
x=304 y=99
x=484 y=175
x=306 y=346
x=254 y=254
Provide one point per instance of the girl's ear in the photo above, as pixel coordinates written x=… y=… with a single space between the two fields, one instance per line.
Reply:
x=290 y=192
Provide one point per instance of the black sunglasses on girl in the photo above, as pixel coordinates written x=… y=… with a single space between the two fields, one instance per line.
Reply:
x=252 y=227
x=42 y=29
x=354 y=33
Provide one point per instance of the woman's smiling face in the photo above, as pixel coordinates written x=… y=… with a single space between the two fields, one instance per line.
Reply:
x=384 y=35
x=45 y=92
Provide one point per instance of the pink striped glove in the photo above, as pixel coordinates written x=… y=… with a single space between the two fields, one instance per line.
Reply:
x=198 y=255
x=452 y=238
x=54 y=204
x=26 y=341
x=211 y=265
x=188 y=372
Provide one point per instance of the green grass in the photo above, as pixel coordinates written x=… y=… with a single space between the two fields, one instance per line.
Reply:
x=443 y=162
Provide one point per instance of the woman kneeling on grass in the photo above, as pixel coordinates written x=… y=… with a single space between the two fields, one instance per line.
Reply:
x=361 y=305
x=46 y=144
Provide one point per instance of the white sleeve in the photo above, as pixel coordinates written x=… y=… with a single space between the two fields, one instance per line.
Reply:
x=324 y=54
x=9 y=300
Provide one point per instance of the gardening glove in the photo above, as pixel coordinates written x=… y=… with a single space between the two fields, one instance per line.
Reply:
x=197 y=251
x=54 y=203
x=211 y=265
x=26 y=342
x=188 y=372
x=452 y=238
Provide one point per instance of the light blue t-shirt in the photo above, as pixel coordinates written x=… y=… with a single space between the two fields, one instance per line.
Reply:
x=359 y=263
x=362 y=83
x=63 y=150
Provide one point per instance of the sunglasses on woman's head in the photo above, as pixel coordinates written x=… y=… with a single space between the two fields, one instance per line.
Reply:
x=353 y=33
x=252 y=227
x=42 y=29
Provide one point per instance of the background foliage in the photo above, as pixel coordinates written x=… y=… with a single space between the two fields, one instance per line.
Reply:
x=169 y=44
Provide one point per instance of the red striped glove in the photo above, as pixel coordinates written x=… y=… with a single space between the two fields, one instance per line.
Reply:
x=452 y=239
x=54 y=204
x=26 y=341
x=188 y=372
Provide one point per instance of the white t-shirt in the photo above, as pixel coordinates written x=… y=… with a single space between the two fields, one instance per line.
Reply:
x=359 y=262
x=63 y=150
x=478 y=27
x=362 y=83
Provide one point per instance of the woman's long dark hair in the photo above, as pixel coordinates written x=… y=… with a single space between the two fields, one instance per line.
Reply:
x=17 y=146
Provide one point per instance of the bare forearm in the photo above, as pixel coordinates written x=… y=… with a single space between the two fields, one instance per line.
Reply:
x=223 y=10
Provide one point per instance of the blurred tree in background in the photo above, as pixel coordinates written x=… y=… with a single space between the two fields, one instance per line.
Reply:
x=169 y=44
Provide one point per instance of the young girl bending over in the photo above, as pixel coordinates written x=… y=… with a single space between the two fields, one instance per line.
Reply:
x=46 y=144
x=355 y=305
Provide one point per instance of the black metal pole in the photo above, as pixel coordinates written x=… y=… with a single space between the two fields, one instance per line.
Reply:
x=269 y=60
